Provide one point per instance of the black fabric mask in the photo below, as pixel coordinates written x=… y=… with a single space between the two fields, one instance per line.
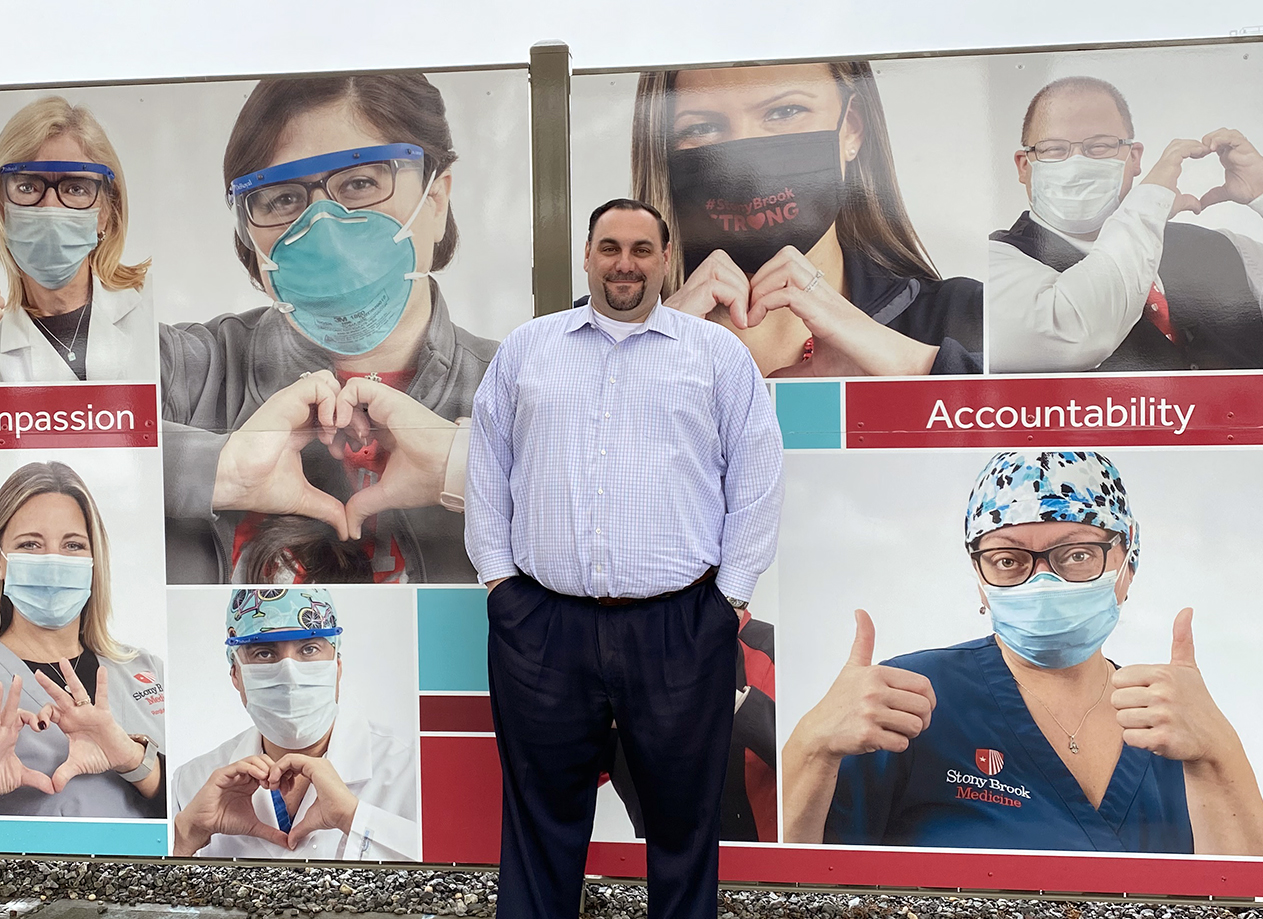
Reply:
x=754 y=196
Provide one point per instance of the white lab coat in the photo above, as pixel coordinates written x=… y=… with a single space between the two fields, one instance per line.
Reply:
x=138 y=704
x=377 y=766
x=121 y=341
x=1043 y=320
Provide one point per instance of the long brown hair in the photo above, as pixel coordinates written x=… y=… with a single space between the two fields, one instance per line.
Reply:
x=873 y=218
x=58 y=478
x=21 y=139
x=402 y=107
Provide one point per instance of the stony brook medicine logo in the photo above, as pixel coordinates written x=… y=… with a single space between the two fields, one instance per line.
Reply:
x=759 y=211
x=150 y=692
x=986 y=788
x=989 y=762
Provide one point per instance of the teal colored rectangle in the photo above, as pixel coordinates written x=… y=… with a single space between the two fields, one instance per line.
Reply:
x=452 y=639
x=82 y=837
x=810 y=413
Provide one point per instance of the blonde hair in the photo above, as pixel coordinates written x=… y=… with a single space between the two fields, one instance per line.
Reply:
x=873 y=218
x=21 y=139
x=58 y=478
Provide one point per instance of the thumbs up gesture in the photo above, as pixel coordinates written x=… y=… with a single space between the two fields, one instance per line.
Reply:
x=1166 y=708
x=868 y=707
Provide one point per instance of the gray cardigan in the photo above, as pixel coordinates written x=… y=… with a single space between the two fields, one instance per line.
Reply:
x=216 y=374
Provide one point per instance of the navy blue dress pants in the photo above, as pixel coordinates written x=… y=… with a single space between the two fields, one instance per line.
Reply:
x=562 y=670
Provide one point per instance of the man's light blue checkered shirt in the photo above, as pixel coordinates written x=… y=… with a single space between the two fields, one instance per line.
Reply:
x=623 y=470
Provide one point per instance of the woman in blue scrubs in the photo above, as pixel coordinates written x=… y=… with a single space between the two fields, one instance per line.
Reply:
x=1029 y=738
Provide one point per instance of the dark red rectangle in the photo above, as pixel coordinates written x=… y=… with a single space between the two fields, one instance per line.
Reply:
x=456 y=714
x=1221 y=409
x=460 y=800
x=78 y=415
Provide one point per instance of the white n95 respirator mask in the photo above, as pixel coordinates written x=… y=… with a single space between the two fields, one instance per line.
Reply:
x=292 y=703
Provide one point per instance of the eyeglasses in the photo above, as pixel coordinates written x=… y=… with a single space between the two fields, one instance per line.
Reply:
x=1008 y=566
x=27 y=190
x=1097 y=147
x=354 y=187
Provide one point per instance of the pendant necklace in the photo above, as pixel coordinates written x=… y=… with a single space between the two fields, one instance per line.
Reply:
x=1074 y=744
x=70 y=348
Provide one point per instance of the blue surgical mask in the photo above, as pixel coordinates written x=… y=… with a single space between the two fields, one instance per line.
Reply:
x=345 y=276
x=49 y=590
x=50 y=243
x=1054 y=623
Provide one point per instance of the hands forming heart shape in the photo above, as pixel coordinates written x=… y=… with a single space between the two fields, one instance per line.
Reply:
x=1242 y=164
x=225 y=803
x=260 y=467
x=96 y=742
x=846 y=341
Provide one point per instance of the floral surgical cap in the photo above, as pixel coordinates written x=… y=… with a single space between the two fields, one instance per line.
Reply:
x=1079 y=486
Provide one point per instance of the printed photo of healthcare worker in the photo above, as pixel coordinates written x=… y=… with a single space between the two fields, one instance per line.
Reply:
x=788 y=226
x=323 y=437
x=82 y=721
x=74 y=308
x=294 y=724
x=1100 y=704
x=1137 y=189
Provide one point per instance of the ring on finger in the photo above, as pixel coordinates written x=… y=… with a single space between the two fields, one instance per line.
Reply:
x=79 y=702
x=815 y=279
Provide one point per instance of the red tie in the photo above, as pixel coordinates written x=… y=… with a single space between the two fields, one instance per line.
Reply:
x=1158 y=312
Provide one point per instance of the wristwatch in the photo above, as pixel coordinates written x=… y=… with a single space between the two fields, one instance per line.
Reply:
x=147 y=764
x=452 y=496
x=738 y=605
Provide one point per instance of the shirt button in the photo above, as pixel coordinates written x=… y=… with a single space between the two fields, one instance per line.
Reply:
x=598 y=567
x=602 y=452
x=611 y=379
x=598 y=531
x=600 y=491
x=607 y=414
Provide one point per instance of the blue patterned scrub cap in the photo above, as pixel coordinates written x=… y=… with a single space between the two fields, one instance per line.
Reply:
x=281 y=614
x=1080 y=486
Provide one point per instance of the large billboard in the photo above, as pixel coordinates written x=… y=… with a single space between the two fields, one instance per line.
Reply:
x=1009 y=310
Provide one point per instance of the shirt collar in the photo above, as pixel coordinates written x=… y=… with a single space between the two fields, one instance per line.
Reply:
x=661 y=319
x=349 y=750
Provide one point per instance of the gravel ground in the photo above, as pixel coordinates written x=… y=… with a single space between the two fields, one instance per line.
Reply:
x=77 y=890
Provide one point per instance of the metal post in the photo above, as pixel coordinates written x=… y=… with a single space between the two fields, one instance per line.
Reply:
x=550 y=174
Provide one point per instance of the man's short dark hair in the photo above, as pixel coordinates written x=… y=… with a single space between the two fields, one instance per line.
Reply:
x=1077 y=85
x=629 y=204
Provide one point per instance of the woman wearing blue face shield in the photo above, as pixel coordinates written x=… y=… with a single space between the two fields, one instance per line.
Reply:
x=320 y=439
x=81 y=723
x=74 y=310
x=1029 y=738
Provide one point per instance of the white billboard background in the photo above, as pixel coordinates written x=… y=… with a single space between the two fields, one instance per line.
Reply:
x=379 y=667
x=884 y=531
x=170 y=139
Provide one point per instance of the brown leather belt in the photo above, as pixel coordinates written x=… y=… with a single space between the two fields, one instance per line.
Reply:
x=628 y=601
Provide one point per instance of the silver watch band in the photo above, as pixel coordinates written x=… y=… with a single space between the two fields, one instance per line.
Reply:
x=147 y=764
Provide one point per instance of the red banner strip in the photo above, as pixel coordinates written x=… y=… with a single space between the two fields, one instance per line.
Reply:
x=78 y=415
x=1168 y=411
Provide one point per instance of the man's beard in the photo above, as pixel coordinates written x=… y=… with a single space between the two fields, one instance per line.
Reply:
x=629 y=302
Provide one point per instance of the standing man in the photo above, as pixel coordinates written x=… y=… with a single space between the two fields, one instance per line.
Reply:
x=623 y=496
x=1093 y=276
